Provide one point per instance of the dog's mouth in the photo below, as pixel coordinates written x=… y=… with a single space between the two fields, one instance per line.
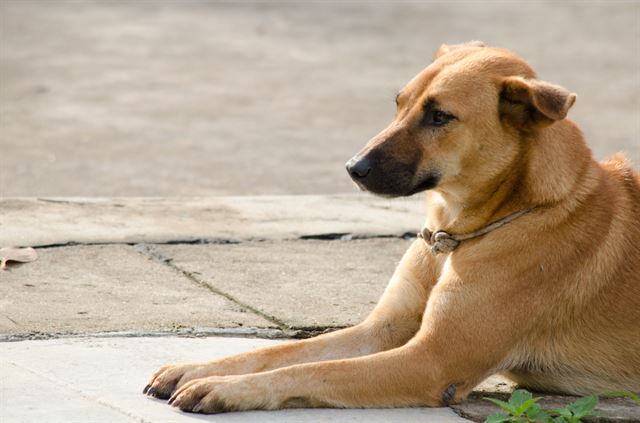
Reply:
x=360 y=186
x=393 y=187
x=429 y=182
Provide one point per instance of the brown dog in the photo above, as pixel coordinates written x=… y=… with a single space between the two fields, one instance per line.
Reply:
x=536 y=276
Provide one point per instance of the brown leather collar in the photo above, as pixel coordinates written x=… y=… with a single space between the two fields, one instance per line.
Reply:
x=443 y=242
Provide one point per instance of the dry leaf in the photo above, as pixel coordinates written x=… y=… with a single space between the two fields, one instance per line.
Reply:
x=23 y=255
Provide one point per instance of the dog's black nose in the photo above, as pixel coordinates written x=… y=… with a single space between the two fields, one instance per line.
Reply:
x=359 y=168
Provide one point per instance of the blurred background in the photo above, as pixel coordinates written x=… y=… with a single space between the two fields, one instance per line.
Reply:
x=199 y=98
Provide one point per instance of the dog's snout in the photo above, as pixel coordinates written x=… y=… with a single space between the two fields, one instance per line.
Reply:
x=359 y=168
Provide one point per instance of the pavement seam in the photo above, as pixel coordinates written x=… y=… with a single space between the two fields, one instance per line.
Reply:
x=148 y=252
x=295 y=332
x=203 y=241
x=244 y=332
x=79 y=392
x=329 y=236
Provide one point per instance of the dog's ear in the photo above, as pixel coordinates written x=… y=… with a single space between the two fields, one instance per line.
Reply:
x=529 y=101
x=445 y=48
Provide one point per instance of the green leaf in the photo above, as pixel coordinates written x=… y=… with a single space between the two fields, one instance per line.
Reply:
x=627 y=394
x=583 y=406
x=559 y=419
x=519 y=397
x=502 y=404
x=497 y=418
x=563 y=412
x=525 y=406
x=536 y=413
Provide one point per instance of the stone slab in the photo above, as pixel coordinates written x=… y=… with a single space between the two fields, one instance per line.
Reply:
x=303 y=283
x=100 y=380
x=50 y=221
x=108 y=288
x=29 y=397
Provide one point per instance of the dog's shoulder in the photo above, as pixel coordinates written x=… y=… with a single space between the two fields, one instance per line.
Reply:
x=621 y=168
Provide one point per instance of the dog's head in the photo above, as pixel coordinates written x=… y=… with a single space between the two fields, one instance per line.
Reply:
x=464 y=116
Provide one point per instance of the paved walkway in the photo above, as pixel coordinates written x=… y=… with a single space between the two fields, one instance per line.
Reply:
x=91 y=380
x=124 y=285
x=186 y=98
x=172 y=98
x=150 y=281
x=294 y=264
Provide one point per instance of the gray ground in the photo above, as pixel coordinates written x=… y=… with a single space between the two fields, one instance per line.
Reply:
x=77 y=390
x=127 y=298
x=191 y=98
x=110 y=304
x=169 y=98
x=183 y=272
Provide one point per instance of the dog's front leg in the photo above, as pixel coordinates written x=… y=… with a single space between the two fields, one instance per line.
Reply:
x=392 y=323
x=407 y=376
x=385 y=379
x=460 y=342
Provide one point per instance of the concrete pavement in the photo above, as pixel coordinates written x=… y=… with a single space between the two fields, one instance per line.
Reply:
x=199 y=264
x=194 y=98
x=100 y=380
x=290 y=285
x=47 y=221
x=199 y=98
x=102 y=309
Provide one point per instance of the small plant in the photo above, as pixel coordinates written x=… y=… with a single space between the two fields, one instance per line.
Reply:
x=627 y=394
x=522 y=407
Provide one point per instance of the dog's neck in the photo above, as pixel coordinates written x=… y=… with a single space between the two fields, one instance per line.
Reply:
x=559 y=167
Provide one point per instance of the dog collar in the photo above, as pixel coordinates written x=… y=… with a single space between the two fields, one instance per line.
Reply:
x=443 y=242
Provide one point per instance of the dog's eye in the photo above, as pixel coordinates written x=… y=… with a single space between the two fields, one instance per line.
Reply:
x=436 y=118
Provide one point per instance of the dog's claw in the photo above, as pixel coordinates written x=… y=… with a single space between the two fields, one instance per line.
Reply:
x=146 y=389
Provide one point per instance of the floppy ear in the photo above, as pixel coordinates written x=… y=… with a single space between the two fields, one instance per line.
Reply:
x=529 y=101
x=445 y=48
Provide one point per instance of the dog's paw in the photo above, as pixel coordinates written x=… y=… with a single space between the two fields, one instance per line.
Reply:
x=170 y=377
x=221 y=394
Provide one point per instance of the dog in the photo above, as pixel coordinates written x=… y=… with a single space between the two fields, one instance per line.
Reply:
x=528 y=264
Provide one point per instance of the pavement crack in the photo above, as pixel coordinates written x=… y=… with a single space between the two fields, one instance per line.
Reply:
x=292 y=332
x=215 y=241
x=189 y=332
x=328 y=236
x=51 y=200
x=347 y=236
x=149 y=252
x=10 y=319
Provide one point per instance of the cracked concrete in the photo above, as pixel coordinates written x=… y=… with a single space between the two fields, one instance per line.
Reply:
x=45 y=222
x=195 y=98
x=147 y=304
x=302 y=283
x=83 y=289
x=119 y=310
x=194 y=288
